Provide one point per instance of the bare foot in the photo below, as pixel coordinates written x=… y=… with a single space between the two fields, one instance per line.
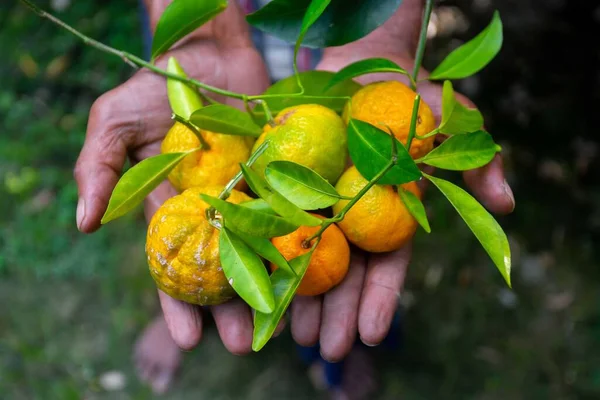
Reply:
x=156 y=356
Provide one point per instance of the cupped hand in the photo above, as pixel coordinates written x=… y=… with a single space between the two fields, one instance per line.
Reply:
x=131 y=121
x=365 y=302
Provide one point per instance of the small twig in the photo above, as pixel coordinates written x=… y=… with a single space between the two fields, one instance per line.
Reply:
x=130 y=59
x=193 y=128
x=430 y=134
x=238 y=177
x=268 y=114
x=413 y=122
x=340 y=216
x=137 y=62
x=422 y=43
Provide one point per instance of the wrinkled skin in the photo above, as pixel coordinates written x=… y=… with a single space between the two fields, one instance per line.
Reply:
x=131 y=120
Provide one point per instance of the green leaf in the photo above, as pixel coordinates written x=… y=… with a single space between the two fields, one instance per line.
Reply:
x=280 y=204
x=139 y=181
x=456 y=118
x=180 y=18
x=313 y=12
x=415 y=207
x=259 y=205
x=482 y=224
x=314 y=83
x=249 y=221
x=284 y=287
x=301 y=185
x=228 y=120
x=363 y=67
x=463 y=152
x=472 y=56
x=371 y=150
x=264 y=248
x=343 y=21
x=184 y=100
x=245 y=272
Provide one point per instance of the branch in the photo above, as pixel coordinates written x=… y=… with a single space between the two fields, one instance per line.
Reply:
x=129 y=58
x=422 y=43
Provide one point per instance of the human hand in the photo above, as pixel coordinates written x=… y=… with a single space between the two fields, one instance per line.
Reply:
x=131 y=121
x=365 y=302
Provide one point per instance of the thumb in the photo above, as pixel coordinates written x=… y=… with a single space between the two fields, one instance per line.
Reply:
x=110 y=130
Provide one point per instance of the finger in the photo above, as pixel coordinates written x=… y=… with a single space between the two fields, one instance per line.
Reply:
x=234 y=323
x=280 y=327
x=340 y=312
x=306 y=320
x=383 y=281
x=489 y=185
x=183 y=320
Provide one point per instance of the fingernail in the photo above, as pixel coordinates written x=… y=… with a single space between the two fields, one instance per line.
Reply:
x=368 y=344
x=327 y=358
x=80 y=212
x=509 y=193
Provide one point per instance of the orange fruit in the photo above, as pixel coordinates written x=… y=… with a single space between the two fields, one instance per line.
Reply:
x=213 y=167
x=308 y=134
x=329 y=263
x=390 y=104
x=183 y=249
x=379 y=221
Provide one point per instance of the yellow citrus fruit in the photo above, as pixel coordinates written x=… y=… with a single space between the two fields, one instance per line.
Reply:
x=329 y=263
x=309 y=134
x=389 y=104
x=215 y=166
x=183 y=249
x=379 y=221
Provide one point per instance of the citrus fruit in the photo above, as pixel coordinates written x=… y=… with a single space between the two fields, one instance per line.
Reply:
x=329 y=263
x=214 y=166
x=379 y=221
x=183 y=249
x=390 y=104
x=308 y=134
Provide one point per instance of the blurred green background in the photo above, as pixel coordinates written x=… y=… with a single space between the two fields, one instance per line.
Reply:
x=72 y=305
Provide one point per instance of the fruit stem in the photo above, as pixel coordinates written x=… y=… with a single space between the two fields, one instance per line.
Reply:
x=422 y=43
x=268 y=114
x=203 y=144
x=430 y=134
x=340 y=216
x=413 y=122
x=238 y=177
